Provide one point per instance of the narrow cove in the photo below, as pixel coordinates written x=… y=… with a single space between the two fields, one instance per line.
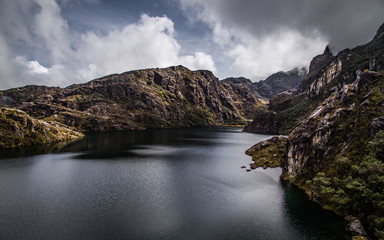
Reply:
x=154 y=184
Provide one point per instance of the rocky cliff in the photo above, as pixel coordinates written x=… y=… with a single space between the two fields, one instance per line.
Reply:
x=151 y=98
x=18 y=128
x=340 y=126
x=327 y=75
x=336 y=151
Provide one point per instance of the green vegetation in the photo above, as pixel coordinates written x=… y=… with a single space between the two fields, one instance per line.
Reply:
x=290 y=117
x=344 y=166
x=268 y=154
x=356 y=189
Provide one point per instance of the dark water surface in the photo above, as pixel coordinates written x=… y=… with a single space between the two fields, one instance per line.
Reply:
x=157 y=184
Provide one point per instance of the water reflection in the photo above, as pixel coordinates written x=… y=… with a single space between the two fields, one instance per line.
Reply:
x=157 y=184
x=296 y=207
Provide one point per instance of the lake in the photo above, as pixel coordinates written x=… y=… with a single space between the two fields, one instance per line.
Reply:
x=154 y=184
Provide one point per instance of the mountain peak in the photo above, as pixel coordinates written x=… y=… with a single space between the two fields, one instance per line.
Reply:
x=327 y=51
x=380 y=32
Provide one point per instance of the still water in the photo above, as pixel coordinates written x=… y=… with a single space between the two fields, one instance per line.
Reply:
x=156 y=184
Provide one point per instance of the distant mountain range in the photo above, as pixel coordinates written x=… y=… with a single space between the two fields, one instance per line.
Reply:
x=171 y=97
x=276 y=83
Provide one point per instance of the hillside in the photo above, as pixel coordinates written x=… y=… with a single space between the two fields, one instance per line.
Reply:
x=18 y=129
x=152 y=98
x=335 y=152
x=327 y=75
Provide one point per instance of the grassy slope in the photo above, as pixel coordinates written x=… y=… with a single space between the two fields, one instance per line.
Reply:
x=18 y=128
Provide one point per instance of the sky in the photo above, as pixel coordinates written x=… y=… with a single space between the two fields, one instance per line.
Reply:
x=62 y=42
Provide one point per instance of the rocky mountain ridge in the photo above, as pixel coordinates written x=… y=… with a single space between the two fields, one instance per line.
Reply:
x=274 y=84
x=150 y=98
x=280 y=82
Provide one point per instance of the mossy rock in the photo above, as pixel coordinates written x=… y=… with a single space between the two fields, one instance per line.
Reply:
x=268 y=153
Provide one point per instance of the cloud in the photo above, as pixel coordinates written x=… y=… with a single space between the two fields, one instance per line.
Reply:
x=199 y=61
x=259 y=58
x=148 y=43
x=42 y=49
x=279 y=34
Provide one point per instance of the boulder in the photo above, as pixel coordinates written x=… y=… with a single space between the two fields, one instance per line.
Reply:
x=355 y=228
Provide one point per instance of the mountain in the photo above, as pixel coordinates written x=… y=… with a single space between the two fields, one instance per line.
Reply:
x=327 y=74
x=264 y=121
x=280 y=82
x=336 y=150
x=276 y=83
x=151 y=98
x=244 y=94
x=18 y=129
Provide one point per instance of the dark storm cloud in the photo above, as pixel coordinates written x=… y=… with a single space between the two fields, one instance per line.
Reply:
x=345 y=23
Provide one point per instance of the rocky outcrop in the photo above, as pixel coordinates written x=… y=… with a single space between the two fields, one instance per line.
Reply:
x=268 y=153
x=376 y=125
x=356 y=228
x=18 y=129
x=152 y=98
x=330 y=130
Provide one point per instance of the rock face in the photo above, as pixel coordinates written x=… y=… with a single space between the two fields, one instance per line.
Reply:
x=327 y=75
x=18 y=128
x=151 y=98
x=244 y=93
x=337 y=125
x=336 y=150
x=336 y=153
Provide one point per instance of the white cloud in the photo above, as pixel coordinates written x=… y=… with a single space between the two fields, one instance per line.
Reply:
x=35 y=67
x=149 y=43
x=255 y=54
x=35 y=73
x=52 y=30
x=59 y=56
x=259 y=58
x=199 y=61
